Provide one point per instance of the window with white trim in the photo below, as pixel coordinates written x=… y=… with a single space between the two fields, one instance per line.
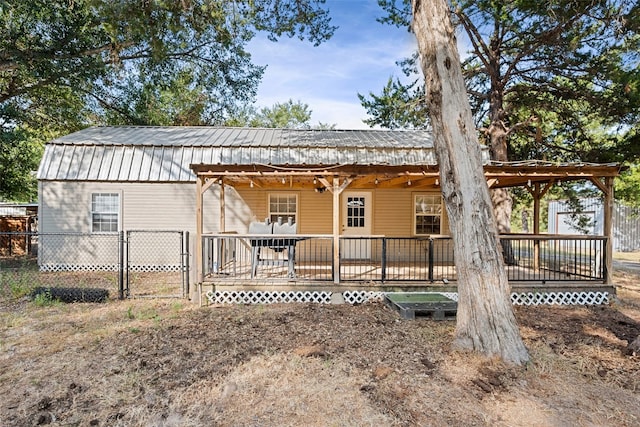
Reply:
x=105 y=212
x=283 y=205
x=428 y=214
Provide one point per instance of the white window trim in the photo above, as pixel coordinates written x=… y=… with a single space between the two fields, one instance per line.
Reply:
x=284 y=193
x=414 y=215
x=119 y=211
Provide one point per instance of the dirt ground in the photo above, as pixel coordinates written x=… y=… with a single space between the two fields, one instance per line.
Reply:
x=168 y=363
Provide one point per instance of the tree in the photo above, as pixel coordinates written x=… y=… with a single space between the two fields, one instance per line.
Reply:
x=289 y=114
x=553 y=80
x=178 y=101
x=137 y=62
x=399 y=106
x=628 y=187
x=485 y=320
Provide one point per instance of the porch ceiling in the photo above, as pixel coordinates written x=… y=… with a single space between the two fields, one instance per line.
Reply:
x=498 y=174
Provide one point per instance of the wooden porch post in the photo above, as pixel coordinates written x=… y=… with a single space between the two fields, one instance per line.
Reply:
x=336 y=230
x=608 y=228
x=223 y=208
x=336 y=189
x=536 y=225
x=199 y=226
x=607 y=190
x=537 y=193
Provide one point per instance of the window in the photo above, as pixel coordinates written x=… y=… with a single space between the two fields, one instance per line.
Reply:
x=428 y=213
x=282 y=205
x=355 y=211
x=105 y=212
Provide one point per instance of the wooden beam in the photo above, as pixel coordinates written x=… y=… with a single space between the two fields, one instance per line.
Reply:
x=326 y=183
x=395 y=181
x=208 y=183
x=345 y=183
x=310 y=170
x=602 y=186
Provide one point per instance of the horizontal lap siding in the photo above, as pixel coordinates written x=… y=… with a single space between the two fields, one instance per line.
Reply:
x=316 y=213
x=392 y=210
x=159 y=206
x=66 y=206
x=243 y=207
x=393 y=217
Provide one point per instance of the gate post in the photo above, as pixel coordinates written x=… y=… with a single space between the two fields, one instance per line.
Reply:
x=185 y=264
x=126 y=262
x=121 y=265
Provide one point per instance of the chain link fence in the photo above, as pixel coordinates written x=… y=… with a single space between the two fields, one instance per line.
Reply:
x=157 y=263
x=126 y=264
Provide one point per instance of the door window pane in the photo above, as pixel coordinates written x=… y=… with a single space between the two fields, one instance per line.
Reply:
x=355 y=211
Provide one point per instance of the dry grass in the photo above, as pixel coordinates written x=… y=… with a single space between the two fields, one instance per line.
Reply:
x=168 y=363
x=627 y=256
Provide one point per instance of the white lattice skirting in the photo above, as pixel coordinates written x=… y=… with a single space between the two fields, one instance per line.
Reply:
x=560 y=298
x=52 y=268
x=155 y=268
x=267 y=297
x=361 y=297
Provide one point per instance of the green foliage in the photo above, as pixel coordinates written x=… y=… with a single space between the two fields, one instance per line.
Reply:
x=44 y=299
x=398 y=107
x=14 y=284
x=562 y=78
x=180 y=101
x=289 y=115
x=283 y=115
x=627 y=187
x=68 y=64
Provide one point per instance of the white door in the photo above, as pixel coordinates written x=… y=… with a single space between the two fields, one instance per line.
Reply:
x=356 y=221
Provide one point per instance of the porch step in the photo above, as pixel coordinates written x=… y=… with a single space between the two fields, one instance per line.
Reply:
x=411 y=304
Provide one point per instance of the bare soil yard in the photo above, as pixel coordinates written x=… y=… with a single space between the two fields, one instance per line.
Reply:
x=167 y=363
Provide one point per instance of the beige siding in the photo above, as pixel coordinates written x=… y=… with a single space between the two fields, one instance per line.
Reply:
x=314 y=210
x=393 y=213
x=316 y=213
x=66 y=207
x=250 y=205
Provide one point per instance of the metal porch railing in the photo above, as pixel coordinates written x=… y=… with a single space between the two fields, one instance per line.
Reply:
x=257 y=258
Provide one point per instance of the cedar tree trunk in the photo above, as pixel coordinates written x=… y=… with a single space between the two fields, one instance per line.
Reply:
x=485 y=321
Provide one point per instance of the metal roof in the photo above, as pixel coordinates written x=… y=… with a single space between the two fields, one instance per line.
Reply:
x=163 y=154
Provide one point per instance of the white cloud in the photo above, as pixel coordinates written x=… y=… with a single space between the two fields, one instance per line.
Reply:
x=358 y=59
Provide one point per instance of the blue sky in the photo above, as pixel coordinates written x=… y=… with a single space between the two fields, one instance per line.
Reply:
x=359 y=58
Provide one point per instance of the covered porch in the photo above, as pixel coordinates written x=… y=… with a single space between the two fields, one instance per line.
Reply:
x=232 y=260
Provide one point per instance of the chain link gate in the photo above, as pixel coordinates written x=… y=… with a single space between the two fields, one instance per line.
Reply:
x=156 y=264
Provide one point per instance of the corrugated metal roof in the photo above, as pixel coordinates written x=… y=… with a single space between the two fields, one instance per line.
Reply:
x=136 y=153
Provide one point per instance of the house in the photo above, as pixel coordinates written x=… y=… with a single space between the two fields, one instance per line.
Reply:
x=364 y=205
x=562 y=219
